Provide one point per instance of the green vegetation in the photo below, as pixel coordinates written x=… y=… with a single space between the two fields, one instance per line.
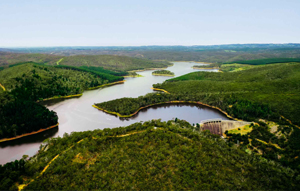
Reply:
x=283 y=146
x=266 y=61
x=106 y=62
x=133 y=74
x=20 y=117
x=211 y=54
x=241 y=130
x=7 y=59
x=45 y=81
x=276 y=85
x=235 y=67
x=265 y=92
x=114 y=63
x=27 y=83
x=163 y=73
x=242 y=109
x=100 y=72
x=33 y=80
x=208 y=66
x=153 y=155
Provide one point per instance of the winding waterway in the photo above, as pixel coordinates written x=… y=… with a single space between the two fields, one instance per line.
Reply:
x=77 y=114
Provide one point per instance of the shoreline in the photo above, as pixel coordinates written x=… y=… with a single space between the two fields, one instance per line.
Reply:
x=211 y=68
x=168 y=75
x=142 y=70
x=194 y=102
x=132 y=76
x=161 y=90
x=79 y=95
x=60 y=97
x=2 y=87
x=52 y=98
x=208 y=63
x=27 y=134
x=104 y=85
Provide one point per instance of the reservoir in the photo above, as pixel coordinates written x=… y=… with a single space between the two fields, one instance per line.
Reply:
x=77 y=114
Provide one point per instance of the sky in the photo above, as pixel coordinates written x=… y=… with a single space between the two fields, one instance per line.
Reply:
x=44 y=23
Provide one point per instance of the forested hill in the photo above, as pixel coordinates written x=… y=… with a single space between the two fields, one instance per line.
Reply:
x=46 y=81
x=115 y=63
x=277 y=85
x=213 y=53
x=153 y=155
x=109 y=62
x=7 y=58
x=25 y=84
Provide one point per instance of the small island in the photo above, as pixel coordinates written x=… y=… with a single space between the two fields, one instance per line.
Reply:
x=132 y=74
x=163 y=73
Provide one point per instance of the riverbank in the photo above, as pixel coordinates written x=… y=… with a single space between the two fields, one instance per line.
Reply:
x=133 y=76
x=60 y=97
x=203 y=68
x=105 y=85
x=168 y=102
x=2 y=87
x=161 y=90
x=168 y=75
x=142 y=70
x=208 y=63
x=148 y=69
x=27 y=134
x=79 y=95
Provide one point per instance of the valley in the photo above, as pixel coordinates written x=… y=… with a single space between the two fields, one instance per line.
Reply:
x=94 y=103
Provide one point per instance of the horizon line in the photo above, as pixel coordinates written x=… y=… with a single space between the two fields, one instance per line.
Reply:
x=58 y=46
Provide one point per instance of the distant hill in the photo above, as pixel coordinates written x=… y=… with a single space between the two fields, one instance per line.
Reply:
x=7 y=58
x=211 y=53
x=110 y=62
x=51 y=78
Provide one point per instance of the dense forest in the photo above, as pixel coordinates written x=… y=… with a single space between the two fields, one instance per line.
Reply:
x=115 y=63
x=163 y=73
x=27 y=83
x=266 y=61
x=20 y=117
x=248 y=89
x=153 y=155
x=39 y=82
x=282 y=146
x=276 y=85
x=156 y=155
x=268 y=92
x=108 y=63
x=234 y=106
x=29 y=78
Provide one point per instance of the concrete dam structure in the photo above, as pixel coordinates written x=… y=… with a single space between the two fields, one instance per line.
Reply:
x=219 y=126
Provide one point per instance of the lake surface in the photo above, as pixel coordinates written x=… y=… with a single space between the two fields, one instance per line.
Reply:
x=77 y=114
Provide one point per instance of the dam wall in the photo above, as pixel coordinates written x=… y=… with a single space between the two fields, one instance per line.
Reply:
x=219 y=126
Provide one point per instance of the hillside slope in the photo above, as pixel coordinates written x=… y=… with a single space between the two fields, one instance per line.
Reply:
x=110 y=62
x=27 y=83
x=49 y=81
x=150 y=156
x=115 y=63
x=277 y=85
